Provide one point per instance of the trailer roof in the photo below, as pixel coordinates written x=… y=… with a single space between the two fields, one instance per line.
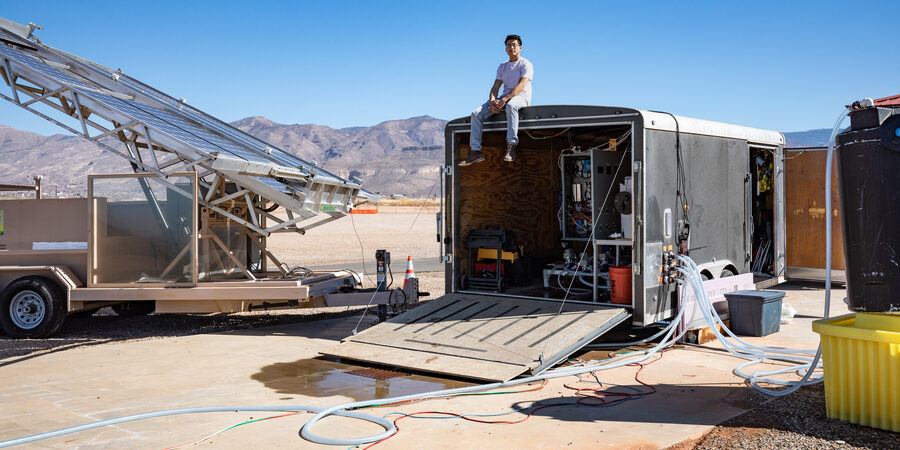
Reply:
x=655 y=120
x=569 y=115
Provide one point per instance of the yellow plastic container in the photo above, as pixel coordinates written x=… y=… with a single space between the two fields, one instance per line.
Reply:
x=861 y=355
x=489 y=253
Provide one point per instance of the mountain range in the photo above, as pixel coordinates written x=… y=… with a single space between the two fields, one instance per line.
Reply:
x=392 y=157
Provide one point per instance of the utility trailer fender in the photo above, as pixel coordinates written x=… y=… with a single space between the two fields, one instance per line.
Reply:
x=60 y=274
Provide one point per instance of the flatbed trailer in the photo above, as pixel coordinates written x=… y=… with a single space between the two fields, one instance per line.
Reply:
x=185 y=232
x=67 y=256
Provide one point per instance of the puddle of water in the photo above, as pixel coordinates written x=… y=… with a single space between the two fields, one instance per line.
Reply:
x=599 y=355
x=324 y=378
x=592 y=355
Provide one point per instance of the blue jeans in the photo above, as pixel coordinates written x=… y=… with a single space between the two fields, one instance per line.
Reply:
x=512 y=121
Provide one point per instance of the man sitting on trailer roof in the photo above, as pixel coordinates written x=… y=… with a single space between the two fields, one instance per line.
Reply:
x=515 y=75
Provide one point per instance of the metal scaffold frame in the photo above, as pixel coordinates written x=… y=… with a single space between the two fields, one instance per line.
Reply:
x=160 y=135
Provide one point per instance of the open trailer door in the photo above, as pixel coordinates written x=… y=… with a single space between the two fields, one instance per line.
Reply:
x=482 y=337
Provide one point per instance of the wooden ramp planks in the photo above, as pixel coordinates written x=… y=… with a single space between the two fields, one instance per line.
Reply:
x=480 y=336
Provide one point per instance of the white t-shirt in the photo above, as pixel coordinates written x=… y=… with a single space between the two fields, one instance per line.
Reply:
x=511 y=71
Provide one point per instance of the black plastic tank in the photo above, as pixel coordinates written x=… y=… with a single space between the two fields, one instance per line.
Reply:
x=868 y=163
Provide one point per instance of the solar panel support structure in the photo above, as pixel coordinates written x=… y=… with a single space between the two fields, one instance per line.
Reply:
x=161 y=135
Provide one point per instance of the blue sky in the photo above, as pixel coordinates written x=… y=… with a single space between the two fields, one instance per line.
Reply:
x=785 y=65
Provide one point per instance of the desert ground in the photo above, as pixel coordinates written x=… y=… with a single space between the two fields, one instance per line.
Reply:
x=401 y=230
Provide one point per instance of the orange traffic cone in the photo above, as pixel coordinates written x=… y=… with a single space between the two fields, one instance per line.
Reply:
x=409 y=270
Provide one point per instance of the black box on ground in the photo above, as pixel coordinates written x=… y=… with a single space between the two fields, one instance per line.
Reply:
x=755 y=313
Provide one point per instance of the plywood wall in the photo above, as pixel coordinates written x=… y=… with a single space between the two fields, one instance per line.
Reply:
x=522 y=196
x=805 y=211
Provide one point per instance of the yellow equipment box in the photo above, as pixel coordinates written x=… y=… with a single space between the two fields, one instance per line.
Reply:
x=490 y=253
x=861 y=355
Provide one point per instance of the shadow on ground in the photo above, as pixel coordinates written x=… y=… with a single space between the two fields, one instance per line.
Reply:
x=104 y=328
x=669 y=403
x=803 y=285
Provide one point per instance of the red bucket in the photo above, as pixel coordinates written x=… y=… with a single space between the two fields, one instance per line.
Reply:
x=620 y=284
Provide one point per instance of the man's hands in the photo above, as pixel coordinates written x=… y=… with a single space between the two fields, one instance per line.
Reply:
x=497 y=105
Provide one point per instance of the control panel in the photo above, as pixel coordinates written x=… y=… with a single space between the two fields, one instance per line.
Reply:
x=590 y=185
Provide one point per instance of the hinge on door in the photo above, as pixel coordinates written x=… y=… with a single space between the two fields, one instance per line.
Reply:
x=447 y=258
x=446 y=170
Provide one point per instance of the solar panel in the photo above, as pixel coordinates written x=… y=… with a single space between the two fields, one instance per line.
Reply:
x=143 y=117
x=206 y=120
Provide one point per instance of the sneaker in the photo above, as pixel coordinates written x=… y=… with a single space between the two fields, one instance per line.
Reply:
x=475 y=156
x=510 y=155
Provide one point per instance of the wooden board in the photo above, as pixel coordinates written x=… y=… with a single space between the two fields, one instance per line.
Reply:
x=480 y=336
x=520 y=196
x=805 y=211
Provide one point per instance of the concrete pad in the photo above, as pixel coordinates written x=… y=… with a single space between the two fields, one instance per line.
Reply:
x=269 y=366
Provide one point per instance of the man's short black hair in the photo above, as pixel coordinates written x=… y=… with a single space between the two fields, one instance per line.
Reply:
x=513 y=36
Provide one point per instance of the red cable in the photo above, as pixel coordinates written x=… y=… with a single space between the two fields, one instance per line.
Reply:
x=624 y=396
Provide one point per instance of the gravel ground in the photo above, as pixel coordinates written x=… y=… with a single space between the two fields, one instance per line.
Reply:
x=795 y=421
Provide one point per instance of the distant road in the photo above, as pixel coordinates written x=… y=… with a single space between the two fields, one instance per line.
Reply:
x=398 y=267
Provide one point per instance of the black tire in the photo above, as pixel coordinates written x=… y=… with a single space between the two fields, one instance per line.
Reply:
x=464 y=282
x=32 y=307
x=142 y=308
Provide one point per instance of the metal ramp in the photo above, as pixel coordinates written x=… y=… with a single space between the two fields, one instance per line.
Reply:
x=480 y=336
x=161 y=135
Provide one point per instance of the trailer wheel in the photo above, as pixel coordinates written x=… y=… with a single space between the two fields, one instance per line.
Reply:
x=32 y=307
x=141 y=308
x=727 y=272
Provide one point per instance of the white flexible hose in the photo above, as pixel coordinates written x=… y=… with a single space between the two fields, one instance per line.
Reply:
x=388 y=426
x=755 y=354
x=570 y=289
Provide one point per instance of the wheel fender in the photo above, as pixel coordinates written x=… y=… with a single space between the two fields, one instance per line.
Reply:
x=716 y=267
